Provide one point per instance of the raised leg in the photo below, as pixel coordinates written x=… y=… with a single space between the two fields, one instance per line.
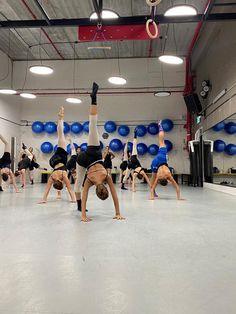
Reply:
x=60 y=129
x=7 y=148
x=161 y=135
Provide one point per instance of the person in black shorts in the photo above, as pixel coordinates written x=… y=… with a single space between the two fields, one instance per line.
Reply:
x=24 y=164
x=5 y=165
x=135 y=167
x=107 y=159
x=90 y=169
x=33 y=165
x=58 y=162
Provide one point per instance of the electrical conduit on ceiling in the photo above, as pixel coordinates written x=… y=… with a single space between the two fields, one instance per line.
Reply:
x=45 y=33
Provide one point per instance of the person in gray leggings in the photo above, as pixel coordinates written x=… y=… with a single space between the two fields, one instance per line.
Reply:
x=90 y=169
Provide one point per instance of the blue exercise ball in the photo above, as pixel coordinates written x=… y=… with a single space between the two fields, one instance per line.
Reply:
x=83 y=147
x=142 y=149
x=153 y=128
x=219 y=126
x=101 y=145
x=116 y=145
x=153 y=149
x=50 y=127
x=46 y=148
x=230 y=149
x=68 y=148
x=141 y=130
x=230 y=127
x=55 y=148
x=76 y=128
x=167 y=125
x=123 y=130
x=219 y=146
x=169 y=145
x=66 y=127
x=110 y=126
x=38 y=127
x=130 y=147
x=86 y=126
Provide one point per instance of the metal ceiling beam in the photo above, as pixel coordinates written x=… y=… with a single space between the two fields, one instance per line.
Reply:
x=43 y=12
x=129 y=20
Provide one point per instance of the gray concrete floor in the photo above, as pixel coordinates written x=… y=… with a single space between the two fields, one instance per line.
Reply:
x=167 y=257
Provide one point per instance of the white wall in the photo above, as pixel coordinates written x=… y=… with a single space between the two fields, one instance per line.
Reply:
x=10 y=106
x=131 y=109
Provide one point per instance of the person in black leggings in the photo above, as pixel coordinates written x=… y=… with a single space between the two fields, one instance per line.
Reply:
x=107 y=157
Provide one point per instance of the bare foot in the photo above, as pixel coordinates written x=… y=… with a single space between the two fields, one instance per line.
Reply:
x=61 y=113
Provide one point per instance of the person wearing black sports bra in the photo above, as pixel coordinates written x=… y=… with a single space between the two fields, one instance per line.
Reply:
x=90 y=169
x=58 y=162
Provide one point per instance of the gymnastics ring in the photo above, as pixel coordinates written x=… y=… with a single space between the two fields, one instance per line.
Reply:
x=153 y=3
x=152 y=36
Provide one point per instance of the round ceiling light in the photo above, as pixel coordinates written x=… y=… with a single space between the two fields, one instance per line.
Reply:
x=41 y=69
x=8 y=91
x=74 y=100
x=117 y=80
x=27 y=95
x=171 y=59
x=106 y=14
x=162 y=94
x=181 y=10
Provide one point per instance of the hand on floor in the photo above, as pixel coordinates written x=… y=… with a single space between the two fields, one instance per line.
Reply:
x=118 y=217
x=85 y=219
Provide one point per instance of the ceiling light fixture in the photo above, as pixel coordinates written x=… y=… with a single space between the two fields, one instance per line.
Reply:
x=27 y=95
x=117 y=80
x=162 y=94
x=74 y=100
x=100 y=48
x=181 y=10
x=171 y=59
x=41 y=69
x=106 y=14
x=8 y=91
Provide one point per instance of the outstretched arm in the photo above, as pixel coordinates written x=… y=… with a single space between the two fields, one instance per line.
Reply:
x=69 y=188
x=86 y=188
x=134 y=182
x=48 y=188
x=172 y=180
x=13 y=181
x=147 y=179
x=115 y=198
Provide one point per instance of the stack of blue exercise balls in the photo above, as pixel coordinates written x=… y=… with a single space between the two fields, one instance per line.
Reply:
x=115 y=144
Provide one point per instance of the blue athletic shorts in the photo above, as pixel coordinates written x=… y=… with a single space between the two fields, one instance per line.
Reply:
x=159 y=160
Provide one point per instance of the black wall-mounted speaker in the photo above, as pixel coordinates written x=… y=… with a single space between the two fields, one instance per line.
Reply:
x=193 y=103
